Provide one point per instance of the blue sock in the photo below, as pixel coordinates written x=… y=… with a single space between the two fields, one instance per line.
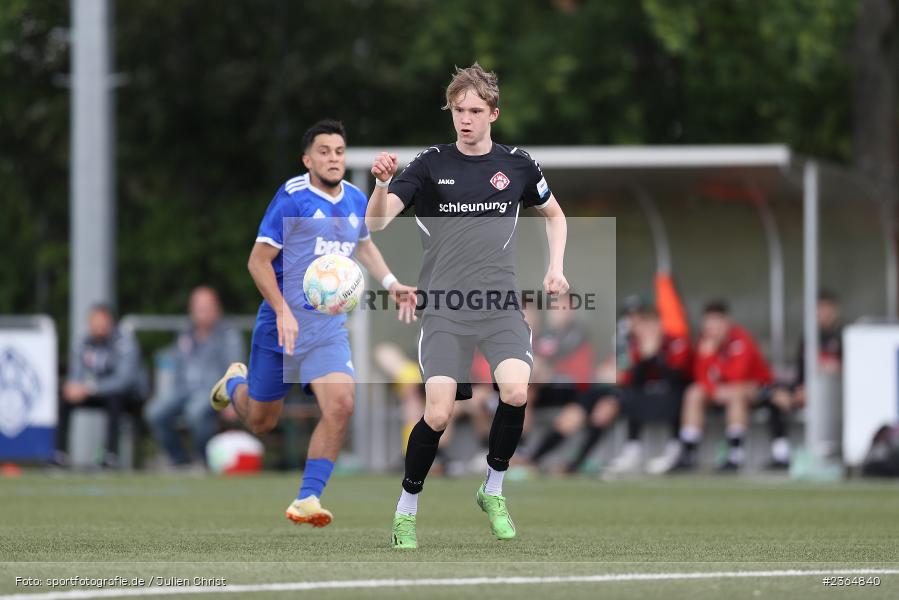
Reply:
x=315 y=476
x=232 y=384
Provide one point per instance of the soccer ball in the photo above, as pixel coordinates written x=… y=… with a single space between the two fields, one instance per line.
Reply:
x=234 y=452
x=333 y=284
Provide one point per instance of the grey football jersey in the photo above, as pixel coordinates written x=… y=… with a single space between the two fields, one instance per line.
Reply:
x=467 y=210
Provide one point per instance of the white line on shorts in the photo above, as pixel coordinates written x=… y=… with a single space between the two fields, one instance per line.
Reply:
x=390 y=583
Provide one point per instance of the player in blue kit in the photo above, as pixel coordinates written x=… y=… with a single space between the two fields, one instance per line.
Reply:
x=311 y=215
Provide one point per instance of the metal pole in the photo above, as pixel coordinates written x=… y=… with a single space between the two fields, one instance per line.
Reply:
x=92 y=201
x=775 y=281
x=365 y=419
x=888 y=212
x=815 y=408
x=657 y=227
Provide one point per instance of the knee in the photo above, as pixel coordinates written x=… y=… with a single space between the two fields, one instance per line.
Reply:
x=155 y=416
x=198 y=420
x=437 y=418
x=780 y=400
x=569 y=420
x=742 y=396
x=259 y=424
x=694 y=394
x=516 y=395
x=605 y=413
x=340 y=408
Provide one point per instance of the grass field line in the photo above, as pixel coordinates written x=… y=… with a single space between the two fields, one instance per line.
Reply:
x=454 y=582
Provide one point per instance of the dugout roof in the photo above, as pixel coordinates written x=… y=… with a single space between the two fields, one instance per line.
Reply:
x=807 y=206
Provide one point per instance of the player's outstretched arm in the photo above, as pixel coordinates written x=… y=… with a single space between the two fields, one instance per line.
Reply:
x=260 y=266
x=371 y=258
x=382 y=206
x=557 y=236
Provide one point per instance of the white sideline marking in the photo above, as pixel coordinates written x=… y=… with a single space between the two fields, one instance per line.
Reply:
x=383 y=583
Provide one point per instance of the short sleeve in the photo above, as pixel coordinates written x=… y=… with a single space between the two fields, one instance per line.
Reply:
x=271 y=229
x=360 y=207
x=413 y=178
x=537 y=192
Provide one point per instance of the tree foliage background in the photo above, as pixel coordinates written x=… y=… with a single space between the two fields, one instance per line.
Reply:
x=216 y=96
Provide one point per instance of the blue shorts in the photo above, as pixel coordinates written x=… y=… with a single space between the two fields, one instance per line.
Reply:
x=272 y=373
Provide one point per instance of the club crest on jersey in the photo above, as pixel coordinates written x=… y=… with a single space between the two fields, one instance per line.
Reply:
x=500 y=181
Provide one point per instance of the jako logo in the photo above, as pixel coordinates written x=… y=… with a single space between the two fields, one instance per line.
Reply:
x=446 y=182
x=323 y=246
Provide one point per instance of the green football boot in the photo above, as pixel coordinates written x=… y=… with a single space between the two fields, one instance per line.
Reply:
x=404 y=531
x=495 y=507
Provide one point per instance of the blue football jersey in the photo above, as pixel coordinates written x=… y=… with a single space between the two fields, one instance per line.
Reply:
x=304 y=222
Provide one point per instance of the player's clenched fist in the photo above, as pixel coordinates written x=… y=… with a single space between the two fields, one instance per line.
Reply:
x=384 y=166
x=555 y=283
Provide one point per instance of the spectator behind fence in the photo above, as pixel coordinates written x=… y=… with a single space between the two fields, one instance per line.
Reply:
x=729 y=373
x=202 y=353
x=105 y=372
x=784 y=399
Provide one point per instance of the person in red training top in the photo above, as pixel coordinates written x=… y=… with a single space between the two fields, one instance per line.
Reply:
x=652 y=387
x=729 y=372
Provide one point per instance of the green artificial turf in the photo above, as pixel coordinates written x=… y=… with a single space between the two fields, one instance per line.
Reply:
x=151 y=526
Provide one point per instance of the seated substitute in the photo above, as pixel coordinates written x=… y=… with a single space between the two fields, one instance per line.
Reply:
x=202 y=352
x=592 y=410
x=104 y=372
x=563 y=363
x=784 y=399
x=652 y=387
x=729 y=372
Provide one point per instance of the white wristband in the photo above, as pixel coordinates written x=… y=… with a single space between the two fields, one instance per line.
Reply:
x=388 y=281
x=382 y=184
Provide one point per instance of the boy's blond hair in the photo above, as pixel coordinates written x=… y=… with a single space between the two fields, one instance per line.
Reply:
x=475 y=78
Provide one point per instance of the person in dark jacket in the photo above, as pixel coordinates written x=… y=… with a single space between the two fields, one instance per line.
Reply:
x=785 y=398
x=202 y=352
x=104 y=372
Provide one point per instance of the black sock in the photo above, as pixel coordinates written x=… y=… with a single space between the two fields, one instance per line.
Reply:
x=690 y=451
x=552 y=439
x=505 y=433
x=777 y=420
x=593 y=435
x=634 y=427
x=420 y=453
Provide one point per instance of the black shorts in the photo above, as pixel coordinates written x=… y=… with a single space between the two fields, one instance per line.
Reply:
x=446 y=347
x=653 y=401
